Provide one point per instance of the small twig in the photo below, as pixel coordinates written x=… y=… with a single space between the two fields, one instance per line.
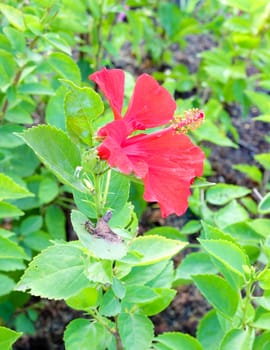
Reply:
x=264 y=183
x=246 y=145
x=257 y=194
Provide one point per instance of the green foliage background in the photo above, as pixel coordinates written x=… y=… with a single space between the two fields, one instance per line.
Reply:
x=47 y=50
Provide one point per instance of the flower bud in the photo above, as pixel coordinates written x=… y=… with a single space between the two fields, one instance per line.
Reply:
x=91 y=162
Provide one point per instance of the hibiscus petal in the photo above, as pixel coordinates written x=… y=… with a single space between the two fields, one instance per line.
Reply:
x=172 y=164
x=168 y=190
x=111 y=148
x=111 y=83
x=165 y=148
x=150 y=106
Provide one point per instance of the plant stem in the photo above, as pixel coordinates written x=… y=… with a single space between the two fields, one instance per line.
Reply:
x=247 y=302
x=265 y=180
x=98 y=196
x=6 y=103
x=106 y=189
x=119 y=345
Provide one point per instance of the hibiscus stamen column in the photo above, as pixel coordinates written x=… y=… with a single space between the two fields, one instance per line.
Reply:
x=190 y=120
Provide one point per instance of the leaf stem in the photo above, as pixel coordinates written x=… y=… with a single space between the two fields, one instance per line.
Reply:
x=106 y=189
x=247 y=301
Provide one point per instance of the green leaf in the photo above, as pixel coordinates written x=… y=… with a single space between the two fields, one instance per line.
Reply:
x=16 y=38
x=99 y=247
x=262 y=319
x=243 y=233
x=99 y=270
x=9 y=189
x=211 y=232
x=8 y=210
x=261 y=100
x=263 y=118
x=264 y=205
x=263 y=279
x=118 y=191
x=136 y=331
x=177 y=341
x=33 y=23
x=264 y=301
x=56 y=222
x=109 y=305
x=238 y=339
x=145 y=250
x=82 y=106
x=84 y=300
x=264 y=160
x=208 y=131
x=48 y=190
x=118 y=288
x=64 y=66
x=31 y=224
x=15 y=166
x=56 y=151
x=169 y=16
x=261 y=226
x=24 y=324
x=11 y=265
x=10 y=250
x=162 y=300
x=262 y=341
x=56 y=273
x=143 y=274
x=6 y=284
x=35 y=89
x=13 y=15
x=201 y=182
x=20 y=114
x=218 y=293
x=221 y=194
x=231 y=214
x=84 y=334
x=166 y=231
x=249 y=170
x=7 y=68
x=85 y=202
x=37 y=240
x=209 y=331
x=165 y=278
x=250 y=204
x=193 y=264
x=124 y=218
x=191 y=227
x=54 y=113
x=116 y=199
x=7 y=338
x=59 y=43
x=7 y=137
x=137 y=294
x=221 y=250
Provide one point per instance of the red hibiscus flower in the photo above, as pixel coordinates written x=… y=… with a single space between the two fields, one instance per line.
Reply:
x=166 y=160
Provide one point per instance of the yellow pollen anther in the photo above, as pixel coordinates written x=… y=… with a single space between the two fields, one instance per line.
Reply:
x=190 y=120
